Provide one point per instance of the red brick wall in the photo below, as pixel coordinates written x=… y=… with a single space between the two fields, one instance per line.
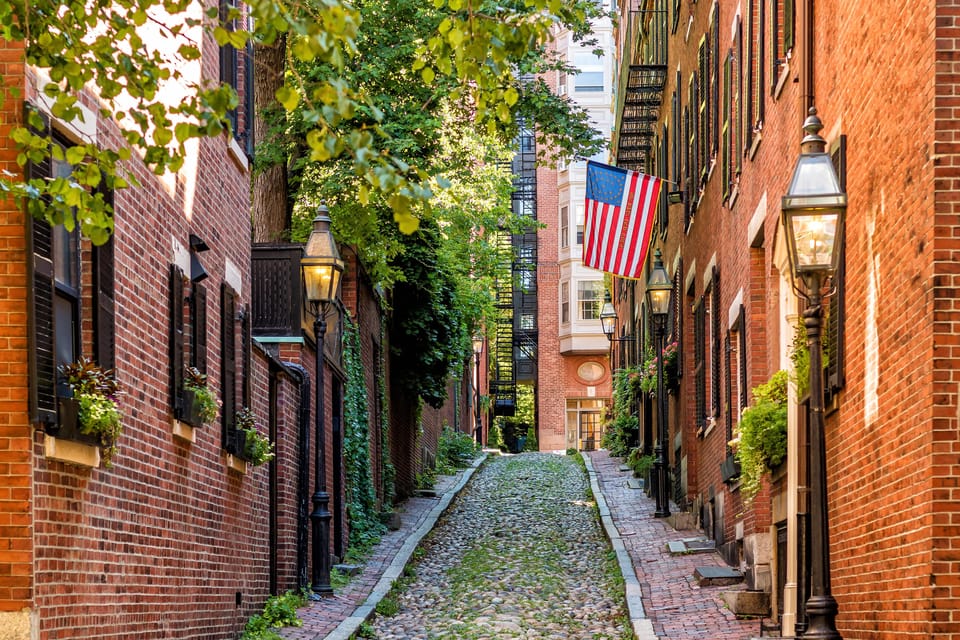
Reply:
x=890 y=452
x=16 y=497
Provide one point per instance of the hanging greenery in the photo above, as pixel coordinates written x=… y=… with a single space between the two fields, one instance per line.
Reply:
x=388 y=476
x=761 y=436
x=365 y=527
x=621 y=423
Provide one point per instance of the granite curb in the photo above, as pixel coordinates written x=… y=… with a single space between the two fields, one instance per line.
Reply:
x=351 y=624
x=641 y=624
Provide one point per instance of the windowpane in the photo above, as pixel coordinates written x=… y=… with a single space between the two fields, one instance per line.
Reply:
x=564 y=302
x=589 y=298
x=564 y=227
x=589 y=81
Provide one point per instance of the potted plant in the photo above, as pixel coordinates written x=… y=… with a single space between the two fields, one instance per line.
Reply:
x=257 y=448
x=199 y=406
x=648 y=381
x=761 y=436
x=93 y=407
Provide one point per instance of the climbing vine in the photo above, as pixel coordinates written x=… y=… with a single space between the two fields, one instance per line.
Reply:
x=388 y=476
x=365 y=527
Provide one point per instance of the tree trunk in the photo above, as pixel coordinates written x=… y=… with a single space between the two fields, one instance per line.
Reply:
x=271 y=212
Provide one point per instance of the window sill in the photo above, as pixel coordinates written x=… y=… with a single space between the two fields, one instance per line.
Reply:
x=236 y=464
x=183 y=431
x=237 y=154
x=71 y=452
x=782 y=80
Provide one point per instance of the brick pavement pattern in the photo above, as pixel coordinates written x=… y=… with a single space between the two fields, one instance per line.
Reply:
x=678 y=607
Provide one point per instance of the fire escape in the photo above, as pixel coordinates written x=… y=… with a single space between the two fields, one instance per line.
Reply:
x=642 y=86
x=515 y=346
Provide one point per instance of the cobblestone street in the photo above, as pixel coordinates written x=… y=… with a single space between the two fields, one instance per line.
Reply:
x=519 y=554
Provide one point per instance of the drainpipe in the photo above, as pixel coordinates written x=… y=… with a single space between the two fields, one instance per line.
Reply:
x=807 y=58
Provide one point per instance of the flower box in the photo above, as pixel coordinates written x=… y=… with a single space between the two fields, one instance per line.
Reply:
x=729 y=469
x=189 y=408
x=68 y=424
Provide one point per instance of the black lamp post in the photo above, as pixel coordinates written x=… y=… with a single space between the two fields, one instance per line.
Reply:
x=659 y=287
x=321 y=266
x=813 y=212
x=478 y=351
x=608 y=320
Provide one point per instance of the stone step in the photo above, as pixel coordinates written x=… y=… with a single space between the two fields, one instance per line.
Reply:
x=625 y=467
x=717 y=576
x=635 y=483
x=691 y=545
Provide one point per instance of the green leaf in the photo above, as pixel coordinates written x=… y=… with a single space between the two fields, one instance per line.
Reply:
x=288 y=96
x=428 y=75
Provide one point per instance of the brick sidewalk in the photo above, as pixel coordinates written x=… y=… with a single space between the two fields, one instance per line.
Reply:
x=673 y=601
x=320 y=618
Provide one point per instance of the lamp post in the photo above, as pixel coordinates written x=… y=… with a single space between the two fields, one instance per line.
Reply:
x=478 y=351
x=813 y=213
x=659 y=287
x=321 y=267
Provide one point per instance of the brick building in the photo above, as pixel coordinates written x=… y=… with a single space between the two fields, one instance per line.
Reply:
x=573 y=373
x=711 y=97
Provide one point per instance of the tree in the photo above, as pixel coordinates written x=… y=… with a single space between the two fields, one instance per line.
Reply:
x=477 y=46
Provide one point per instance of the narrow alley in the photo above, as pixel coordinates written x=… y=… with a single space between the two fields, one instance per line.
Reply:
x=520 y=554
x=515 y=549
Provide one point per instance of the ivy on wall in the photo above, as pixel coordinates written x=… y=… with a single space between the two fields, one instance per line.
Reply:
x=365 y=527
x=388 y=475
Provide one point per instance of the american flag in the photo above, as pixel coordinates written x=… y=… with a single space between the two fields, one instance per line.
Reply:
x=619 y=214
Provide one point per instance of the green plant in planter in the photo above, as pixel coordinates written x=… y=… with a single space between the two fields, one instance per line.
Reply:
x=206 y=400
x=648 y=381
x=257 y=447
x=95 y=389
x=761 y=442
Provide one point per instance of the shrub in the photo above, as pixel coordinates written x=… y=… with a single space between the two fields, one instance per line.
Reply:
x=761 y=444
x=456 y=450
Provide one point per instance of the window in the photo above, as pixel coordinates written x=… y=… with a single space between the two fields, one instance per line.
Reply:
x=564 y=302
x=237 y=72
x=781 y=39
x=725 y=152
x=579 y=213
x=526 y=269
x=663 y=170
x=589 y=78
x=231 y=437
x=564 y=227
x=755 y=53
x=715 y=81
x=715 y=371
x=702 y=148
x=589 y=299
x=699 y=363
x=71 y=301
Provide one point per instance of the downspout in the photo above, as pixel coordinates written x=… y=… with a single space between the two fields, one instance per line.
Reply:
x=807 y=98
x=301 y=378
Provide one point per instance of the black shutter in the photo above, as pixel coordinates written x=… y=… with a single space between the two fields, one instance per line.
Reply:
x=699 y=357
x=228 y=366
x=176 y=338
x=42 y=361
x=834 y=338
x=728 y=388
x=198 y=321
x=246 y=350
x=744 y=381
x=677 y=325
x=715 y=339
x=104 y=308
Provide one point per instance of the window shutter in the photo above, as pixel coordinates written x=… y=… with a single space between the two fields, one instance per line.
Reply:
x=715 y=80
x=104 y=308
x=836 y=309
x=728 y=388
x=176 y=338
x=677 y=325
x=246 y=348
x=699 y=357
x=715 y=331
x=43 y=400
x=228 y=367
x=744 y=381
x=198 y=320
